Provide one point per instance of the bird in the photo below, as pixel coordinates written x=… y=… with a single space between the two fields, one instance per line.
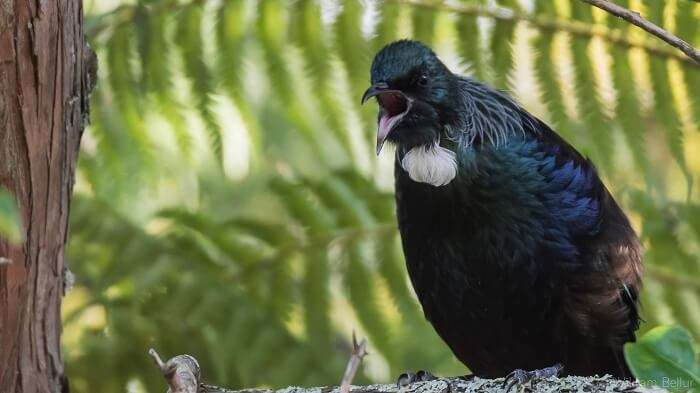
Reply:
x=520 y=257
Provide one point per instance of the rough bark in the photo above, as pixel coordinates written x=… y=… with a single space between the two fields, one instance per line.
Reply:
x=183 y=375
x=46 y=70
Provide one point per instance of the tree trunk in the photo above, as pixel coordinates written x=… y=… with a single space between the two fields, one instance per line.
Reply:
x=46 y=70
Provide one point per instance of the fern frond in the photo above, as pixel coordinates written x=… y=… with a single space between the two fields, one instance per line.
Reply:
x=386 y=30
x=308 y=33
x=353 y=51
x=189 y=40
x=155 y=79
x=688 y=28
x=362 y=292
x=501 y=43
x=231 y=37
x=588 y=98
x=271 y=35
x=123 y=83
x=469 y=45
x=424 y=24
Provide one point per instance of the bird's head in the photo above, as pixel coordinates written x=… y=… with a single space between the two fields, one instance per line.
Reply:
x=414 y=90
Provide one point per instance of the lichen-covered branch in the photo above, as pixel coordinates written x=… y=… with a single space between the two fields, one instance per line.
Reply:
x=182 y=374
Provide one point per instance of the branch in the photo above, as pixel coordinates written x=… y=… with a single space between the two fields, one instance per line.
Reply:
x=636 y=19
x=554 y=24
x=359 y=351
x=183 y=376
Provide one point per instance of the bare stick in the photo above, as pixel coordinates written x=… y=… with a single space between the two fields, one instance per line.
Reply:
x=359 y=351
x=636 y=19
x=156 y=359
x=182 y=372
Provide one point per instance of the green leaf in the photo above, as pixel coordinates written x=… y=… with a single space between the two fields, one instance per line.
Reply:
x=10 y=221
x=664 y=357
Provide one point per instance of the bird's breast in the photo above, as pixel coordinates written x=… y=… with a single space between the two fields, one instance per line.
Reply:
x=468 y=256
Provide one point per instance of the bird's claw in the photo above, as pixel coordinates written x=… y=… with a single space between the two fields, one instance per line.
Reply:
x=515 y=378
x=408 y=378
x=519 y=377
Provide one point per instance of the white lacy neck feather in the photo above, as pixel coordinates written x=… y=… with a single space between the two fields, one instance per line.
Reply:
x=432 y=164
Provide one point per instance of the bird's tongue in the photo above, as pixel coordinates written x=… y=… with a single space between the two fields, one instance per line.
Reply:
x=386 y=122
x=394 y=107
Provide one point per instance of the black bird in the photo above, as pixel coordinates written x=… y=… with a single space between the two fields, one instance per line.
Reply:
x=519 y=255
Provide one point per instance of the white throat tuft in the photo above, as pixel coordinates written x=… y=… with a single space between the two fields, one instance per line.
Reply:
x=432 y=164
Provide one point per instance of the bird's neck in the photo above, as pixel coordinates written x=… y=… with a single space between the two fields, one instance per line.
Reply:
x=431 y=164
x=480 y=117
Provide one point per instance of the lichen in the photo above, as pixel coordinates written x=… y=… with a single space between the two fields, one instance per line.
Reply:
x=454 y=385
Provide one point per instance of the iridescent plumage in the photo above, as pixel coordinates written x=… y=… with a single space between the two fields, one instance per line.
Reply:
x=523 y=259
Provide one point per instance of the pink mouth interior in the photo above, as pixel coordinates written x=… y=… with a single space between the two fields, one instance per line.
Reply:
x=393 y=103
x=395 y=106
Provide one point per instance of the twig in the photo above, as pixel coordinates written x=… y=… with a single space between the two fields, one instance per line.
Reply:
x=636 y=19
x=549 y=23
x=359 y=351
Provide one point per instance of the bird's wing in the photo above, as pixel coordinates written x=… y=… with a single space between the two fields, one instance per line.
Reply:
x=598 y=252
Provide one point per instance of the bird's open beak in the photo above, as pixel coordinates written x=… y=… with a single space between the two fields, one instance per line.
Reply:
x=374 y=90
x=394 y=106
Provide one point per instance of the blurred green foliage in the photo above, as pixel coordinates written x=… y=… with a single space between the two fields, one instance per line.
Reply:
x=665 y=357
x=228 y=204
x=10 y=221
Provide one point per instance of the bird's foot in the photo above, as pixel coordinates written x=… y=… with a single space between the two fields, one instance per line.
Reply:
x=520 y=377
x=408 y=378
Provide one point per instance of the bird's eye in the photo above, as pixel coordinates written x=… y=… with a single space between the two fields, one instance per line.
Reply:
x=423 y=80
